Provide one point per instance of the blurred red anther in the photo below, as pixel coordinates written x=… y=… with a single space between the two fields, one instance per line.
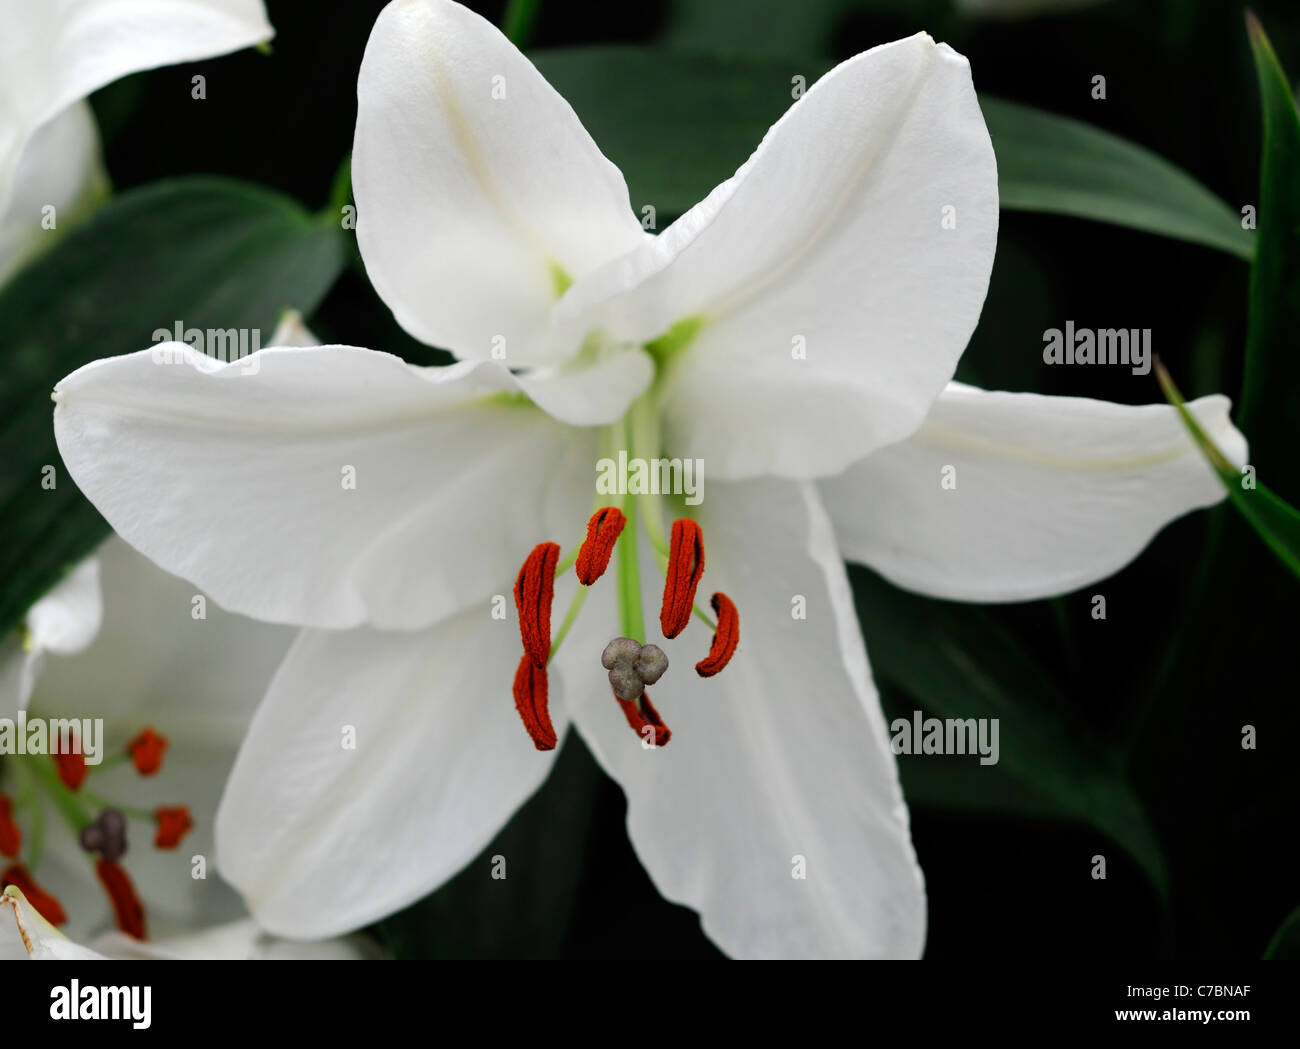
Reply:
x=147 y=751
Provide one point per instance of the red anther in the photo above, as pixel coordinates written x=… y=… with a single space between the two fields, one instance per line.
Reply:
x=11 y=838
x=126 y=904
x=534 y=589
x=646 y=715
x=72 y=769
x=685 y=566
x=147 y=750
x=725 y=638
x=47 y=906
x=173 y=823
x=531 y=693
x=603 y=530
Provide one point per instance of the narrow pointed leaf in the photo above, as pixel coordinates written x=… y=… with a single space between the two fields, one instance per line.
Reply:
x=955 y=662
x=1274 y=520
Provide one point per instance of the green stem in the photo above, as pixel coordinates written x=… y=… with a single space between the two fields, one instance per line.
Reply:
x=629 y=580
x=30 y=801
x=72 y=811
x=112 y=761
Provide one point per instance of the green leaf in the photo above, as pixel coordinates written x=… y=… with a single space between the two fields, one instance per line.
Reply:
x=676 y=123
x=211 y=253
x=1285 y=944
x=1270 y=398
x=956 y=662
x=1053 y=163
x=1273 y=520
x=679 y=123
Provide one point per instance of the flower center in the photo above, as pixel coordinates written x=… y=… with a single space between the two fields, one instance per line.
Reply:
x=59 y=781
x=632 y=663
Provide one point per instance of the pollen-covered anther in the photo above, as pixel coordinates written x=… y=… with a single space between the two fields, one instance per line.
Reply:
x=685 y=566
x=172 y=823
x=603 y=530
x=47 y=905
x=106 y=835
x=725 y=638
x=531 y=691
x=127 y=907
x=147 y=750
x=644 y=719
x=534 y=590
x=11 y=837
x=72 y=769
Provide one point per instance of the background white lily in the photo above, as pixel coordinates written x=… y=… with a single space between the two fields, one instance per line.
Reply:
x=491 y=220
x=134 y=654
x=53 y=54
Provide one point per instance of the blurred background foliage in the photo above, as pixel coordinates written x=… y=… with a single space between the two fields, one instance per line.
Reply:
x=1120 y=737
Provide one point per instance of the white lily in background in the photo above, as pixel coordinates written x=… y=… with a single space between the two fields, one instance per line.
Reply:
x=140 y=653
x=53 y=54
x=796 y=331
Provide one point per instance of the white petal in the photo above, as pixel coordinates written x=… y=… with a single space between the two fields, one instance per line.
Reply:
x=1051 y=493
x=63 y=622
x=321 y=838
x=783 y=754
x=25 y=934
x=239 y=478
x=474 y=183
x=20 y=666
x=56 y=52
x=67 y=619
x=61 y=167
x=235 y=941
x=291 y=331
x=833 y=303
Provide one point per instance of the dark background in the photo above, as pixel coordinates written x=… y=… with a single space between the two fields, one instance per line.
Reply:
x=1201 y=629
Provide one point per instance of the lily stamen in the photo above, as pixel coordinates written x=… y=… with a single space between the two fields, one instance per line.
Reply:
x=603 y=530
x=725 y=638
x=127 y=907
x=147 y=751
x=47 y=905
x=72 y=769
x=641 y=715
x=173 y=823
x=11 y=837
x=685 y=566
x=534 y=591
x=531 y=692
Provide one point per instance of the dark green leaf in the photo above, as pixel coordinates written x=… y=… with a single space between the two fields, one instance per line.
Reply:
x=1285 y=944
x=956 y=662
x=1052 y=163
x=1273 y=520
x=679 y=123
x=1270 y=398
x=211 y=253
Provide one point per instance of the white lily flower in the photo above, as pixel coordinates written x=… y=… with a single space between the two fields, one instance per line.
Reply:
x=382 y=506
x=160 y=656
x=53 y=54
